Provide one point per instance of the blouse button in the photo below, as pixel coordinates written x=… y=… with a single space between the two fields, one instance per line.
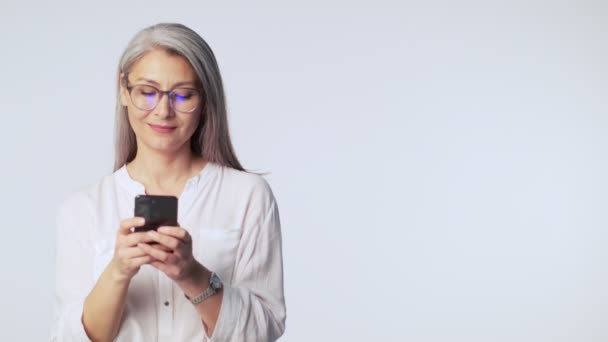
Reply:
x=166 y=303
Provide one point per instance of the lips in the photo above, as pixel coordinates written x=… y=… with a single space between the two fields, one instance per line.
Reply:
x=162 y=129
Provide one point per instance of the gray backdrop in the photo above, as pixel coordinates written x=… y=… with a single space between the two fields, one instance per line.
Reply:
x=440 y=166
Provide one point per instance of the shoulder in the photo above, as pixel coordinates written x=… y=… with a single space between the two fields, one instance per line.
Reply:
x=248 y=185
x=87 y=197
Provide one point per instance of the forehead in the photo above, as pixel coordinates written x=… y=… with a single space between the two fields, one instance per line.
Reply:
x=163 y=67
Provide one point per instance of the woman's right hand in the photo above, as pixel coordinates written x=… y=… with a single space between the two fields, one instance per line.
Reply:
x=128 y=257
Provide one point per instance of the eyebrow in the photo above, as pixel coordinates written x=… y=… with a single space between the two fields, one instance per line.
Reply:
x=156 y=83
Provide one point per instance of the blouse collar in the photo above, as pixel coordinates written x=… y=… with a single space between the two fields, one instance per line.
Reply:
x=124 y=179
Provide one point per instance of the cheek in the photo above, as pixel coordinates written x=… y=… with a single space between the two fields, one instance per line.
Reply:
x=135 y=121
x=191 y=124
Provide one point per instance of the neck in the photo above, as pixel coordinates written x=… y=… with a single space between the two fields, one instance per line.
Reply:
x=161 y=170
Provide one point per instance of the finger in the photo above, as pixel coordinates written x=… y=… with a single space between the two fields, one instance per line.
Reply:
x=142 y=260
x=161 y=247
x=165 y=240
x=130 y=253
x=176 y=232
x=127 y=224
x=135 y=238
x=157 y=253
x=156 y=245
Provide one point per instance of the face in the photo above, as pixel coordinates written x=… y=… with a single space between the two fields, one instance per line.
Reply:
x=161 y=128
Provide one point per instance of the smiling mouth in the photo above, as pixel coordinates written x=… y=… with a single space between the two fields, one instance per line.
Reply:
x=162 y=129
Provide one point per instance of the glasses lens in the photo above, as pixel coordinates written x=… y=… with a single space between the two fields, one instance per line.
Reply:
x=185 y=99
x=144 y=97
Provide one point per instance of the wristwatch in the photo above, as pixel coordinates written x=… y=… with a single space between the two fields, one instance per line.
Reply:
x=215 y=283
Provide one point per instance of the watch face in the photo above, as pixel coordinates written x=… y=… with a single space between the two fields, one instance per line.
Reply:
x=216 y=283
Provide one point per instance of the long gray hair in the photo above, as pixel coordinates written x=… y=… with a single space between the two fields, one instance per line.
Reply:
x=211 y=140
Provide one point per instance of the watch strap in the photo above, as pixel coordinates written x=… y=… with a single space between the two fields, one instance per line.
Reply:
x=210 y=291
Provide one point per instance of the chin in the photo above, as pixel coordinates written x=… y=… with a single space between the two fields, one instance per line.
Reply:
x=168 y=146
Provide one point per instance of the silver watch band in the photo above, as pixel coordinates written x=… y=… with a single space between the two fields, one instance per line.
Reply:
x=210 y=291
x=200 y=298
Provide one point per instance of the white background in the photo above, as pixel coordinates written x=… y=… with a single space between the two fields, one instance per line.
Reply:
x=440 y=166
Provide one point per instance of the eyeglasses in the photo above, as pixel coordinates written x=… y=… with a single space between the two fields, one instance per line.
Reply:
x=146 y=97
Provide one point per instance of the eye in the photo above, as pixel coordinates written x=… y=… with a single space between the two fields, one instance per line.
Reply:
x=144 y=91
x=183 y=94
x=182 y=97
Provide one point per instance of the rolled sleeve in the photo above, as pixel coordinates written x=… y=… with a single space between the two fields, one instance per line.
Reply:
x=253 y=305
x=72 y=270
x=68 y=325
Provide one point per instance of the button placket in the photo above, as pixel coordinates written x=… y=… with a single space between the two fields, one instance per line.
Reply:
x=165 y=283
x=165 y=323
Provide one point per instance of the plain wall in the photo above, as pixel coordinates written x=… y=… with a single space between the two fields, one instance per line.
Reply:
x=440 y=166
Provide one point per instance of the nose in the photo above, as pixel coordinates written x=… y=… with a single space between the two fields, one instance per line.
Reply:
x=163 y=107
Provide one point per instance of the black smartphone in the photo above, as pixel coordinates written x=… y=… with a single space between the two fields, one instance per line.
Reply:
x=157 y=210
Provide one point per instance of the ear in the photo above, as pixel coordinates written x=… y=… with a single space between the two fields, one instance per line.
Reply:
x=124 y=93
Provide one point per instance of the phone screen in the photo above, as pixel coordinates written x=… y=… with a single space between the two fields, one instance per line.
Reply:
x=157 y=210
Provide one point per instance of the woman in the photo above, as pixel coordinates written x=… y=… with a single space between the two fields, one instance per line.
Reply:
x=219 y=275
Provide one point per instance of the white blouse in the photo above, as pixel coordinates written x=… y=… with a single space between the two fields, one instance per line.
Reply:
x=233 y=219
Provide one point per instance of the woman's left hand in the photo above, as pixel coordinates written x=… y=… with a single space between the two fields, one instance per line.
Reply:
x=174 y=255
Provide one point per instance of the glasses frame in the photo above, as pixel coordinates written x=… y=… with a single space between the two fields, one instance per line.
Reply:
x=169 y=93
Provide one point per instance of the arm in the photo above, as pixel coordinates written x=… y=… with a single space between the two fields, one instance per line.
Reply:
x=84 y=310
x=73 y=272
x=104 y=306
x=253 y=306
x=195 y=284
